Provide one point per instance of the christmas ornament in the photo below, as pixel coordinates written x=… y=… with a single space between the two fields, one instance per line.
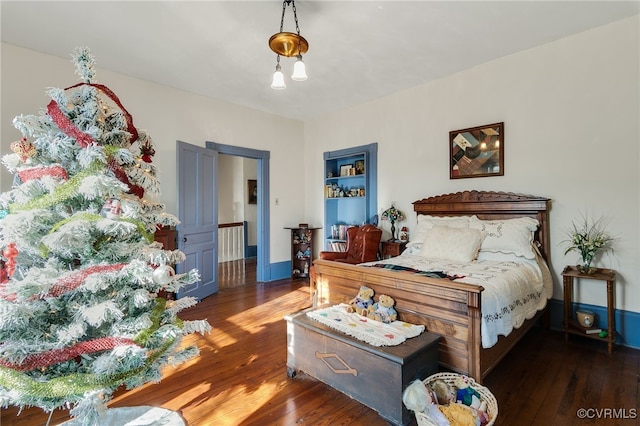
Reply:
x=24 y=149
x=147 y=151
x=163 y=275
x=10 y=252
x=106 y=208
x=115 y=210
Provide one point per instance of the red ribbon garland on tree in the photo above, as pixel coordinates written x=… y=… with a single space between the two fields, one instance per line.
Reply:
x=55 y=356
x=67 y=126
x=26 y=175
x=119 y=173
x=84 y=140
x=70 y=129
x=73 y=280
x=68 y=282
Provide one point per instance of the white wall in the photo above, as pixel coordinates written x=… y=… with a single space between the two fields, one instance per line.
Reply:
x=230 y=192
x=250 y=171
x=233 y=195
x=571 y=113
x=168 y=115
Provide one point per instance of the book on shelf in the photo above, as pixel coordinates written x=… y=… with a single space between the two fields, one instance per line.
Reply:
x=338 y=246
x=593 y=330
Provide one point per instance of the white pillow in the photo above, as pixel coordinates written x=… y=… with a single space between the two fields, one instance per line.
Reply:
x=457 y=244
x=426 y=222
x=507 y=235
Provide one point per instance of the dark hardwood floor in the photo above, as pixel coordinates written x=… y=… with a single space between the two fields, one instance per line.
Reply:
x=240 y=377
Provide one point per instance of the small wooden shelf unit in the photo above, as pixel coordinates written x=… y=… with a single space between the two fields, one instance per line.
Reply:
x=301 y=250
x=570 y=325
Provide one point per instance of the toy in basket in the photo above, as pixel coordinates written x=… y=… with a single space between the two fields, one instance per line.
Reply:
x=450 y=399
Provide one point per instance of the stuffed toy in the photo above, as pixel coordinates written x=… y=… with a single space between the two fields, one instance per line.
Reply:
x=417 y=397
x=383 y=310
x=362 y=302
x=470 y=397
x=458 y=415
x=465 y=394
x=445 y=393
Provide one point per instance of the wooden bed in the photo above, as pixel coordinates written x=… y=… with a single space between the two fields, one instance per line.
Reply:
x=448 y=308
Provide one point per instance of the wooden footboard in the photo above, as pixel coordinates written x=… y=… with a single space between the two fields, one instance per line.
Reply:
x=444 y=307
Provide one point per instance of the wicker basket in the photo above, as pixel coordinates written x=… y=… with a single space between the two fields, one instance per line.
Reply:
x=450 y=379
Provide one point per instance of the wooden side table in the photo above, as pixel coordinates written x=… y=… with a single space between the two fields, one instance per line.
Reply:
x=570 y=325
x=392 y=248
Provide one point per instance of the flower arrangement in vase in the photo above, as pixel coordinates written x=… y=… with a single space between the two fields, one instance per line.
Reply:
x=589 y=238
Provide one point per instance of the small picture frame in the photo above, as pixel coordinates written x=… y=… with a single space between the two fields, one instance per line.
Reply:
x=345 y=169
x=359 y=165
x=252 y=190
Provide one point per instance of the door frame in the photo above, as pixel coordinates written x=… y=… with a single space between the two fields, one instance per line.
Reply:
x=263 y=265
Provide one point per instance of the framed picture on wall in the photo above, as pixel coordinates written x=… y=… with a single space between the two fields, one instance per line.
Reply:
x=477 y=151
x=252 y=190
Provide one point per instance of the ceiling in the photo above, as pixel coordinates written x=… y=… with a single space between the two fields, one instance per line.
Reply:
x=358 y=50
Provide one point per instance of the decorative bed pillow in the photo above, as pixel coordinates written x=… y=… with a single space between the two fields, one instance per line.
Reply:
x=426 y=222
x=456 y=244
x=513 y=236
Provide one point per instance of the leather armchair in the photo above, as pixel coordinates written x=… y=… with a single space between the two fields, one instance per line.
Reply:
x=363 y=243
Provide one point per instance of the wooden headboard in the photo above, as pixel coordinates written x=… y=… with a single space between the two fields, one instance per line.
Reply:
x=491 y=205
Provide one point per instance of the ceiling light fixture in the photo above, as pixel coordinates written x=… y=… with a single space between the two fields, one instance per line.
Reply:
x=288 y=44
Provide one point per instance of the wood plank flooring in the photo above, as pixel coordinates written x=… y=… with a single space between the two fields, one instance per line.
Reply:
x=240 y=376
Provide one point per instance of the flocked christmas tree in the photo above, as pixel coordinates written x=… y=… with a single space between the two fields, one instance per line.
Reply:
x=80 y=311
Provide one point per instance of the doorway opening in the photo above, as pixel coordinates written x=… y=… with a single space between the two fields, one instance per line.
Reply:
x=246 y=164
x=237 y=220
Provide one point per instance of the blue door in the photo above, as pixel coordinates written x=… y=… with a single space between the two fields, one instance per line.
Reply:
x=198 y=214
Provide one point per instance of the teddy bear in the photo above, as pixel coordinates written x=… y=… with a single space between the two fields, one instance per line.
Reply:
x=383 y=310
x=465 y=394
x=362 y=302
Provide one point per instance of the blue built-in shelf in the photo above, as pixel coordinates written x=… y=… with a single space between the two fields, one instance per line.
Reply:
x=351 y=187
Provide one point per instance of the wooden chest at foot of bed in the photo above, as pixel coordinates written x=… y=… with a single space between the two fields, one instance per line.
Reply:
x=373 y=375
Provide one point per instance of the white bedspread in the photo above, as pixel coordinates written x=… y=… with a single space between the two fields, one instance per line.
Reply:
x=513 y=291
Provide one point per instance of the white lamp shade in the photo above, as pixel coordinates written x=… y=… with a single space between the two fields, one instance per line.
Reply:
x=278 y=80
x=299 y=70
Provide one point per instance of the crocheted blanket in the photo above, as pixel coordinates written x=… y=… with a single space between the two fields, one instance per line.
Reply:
x=373 y=332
